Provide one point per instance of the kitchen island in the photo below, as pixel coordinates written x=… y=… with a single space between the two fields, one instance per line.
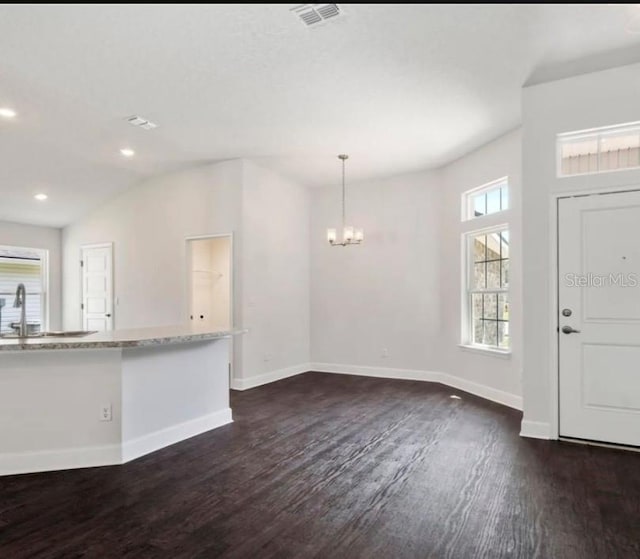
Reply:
x=109 y=397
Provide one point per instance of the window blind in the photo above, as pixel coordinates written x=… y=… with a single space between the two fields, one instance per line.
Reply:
x=14 y=271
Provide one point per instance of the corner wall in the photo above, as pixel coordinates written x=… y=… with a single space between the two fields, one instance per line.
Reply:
x=392 y=306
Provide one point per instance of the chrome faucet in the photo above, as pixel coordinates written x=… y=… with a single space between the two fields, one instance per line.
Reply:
x=21 y=303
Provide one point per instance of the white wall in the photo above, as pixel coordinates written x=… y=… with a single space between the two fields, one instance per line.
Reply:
x=577 y=103
x=276 y=305
x=502 y=157
x=385 y=293
x=149 y=225
x=49 y=238
x=401 y=290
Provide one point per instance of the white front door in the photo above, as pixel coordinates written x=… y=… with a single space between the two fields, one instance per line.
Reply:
x=599 y=317
x=97 y=287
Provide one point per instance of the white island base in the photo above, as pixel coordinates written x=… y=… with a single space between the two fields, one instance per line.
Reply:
x=52 y=401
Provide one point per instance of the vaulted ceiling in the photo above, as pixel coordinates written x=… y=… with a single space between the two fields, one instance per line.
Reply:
x=400 y=87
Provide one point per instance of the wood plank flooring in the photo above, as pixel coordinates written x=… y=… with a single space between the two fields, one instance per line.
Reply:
x=334 y=466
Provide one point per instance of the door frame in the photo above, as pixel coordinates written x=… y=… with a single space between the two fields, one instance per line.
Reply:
x=187 y=286
x=108 y=245
x=554 y=266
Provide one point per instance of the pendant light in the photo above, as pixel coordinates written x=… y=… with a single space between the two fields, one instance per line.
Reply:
x=350 y=235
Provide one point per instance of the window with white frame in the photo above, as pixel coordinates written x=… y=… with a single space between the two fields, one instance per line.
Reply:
x=27 y=266
x=487 y=288
x=488 y=199
x=599 y=150
x=486 y=248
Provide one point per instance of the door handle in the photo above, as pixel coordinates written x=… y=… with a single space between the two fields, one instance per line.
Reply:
x=108 y=315
x=569 y=330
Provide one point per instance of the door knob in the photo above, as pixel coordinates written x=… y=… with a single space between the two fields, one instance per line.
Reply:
x=108 y=315
x=569 y=330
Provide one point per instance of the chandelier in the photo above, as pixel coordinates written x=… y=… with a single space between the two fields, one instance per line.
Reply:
x=350 y=235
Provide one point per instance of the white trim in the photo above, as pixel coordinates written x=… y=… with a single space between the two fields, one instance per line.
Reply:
x=488 y=393
x=536 y=430
x=109 y=455
x=272 y=376
x=188 y=283
x=554 y=239
x=490 y=351
x=60 y=459
x=45 y=301
x=110 y=246
x=151 y=442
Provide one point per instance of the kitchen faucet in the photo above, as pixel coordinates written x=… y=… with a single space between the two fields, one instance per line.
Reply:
x=21 y=303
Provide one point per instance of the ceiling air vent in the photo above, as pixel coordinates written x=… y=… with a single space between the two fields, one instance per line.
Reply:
x=313 y=14
x=141 y=122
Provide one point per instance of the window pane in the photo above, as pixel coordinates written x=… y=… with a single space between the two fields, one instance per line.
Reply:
x=19 y=266
x=505 y=274
x=479 y=275
x=503 y=306
x=493 y=275
x=490 y=306
x=504 y=240
x=480 y=248
x=479 y=205
x=490 y=333
x=504 y=191
x=493 y=201
x=503 y=335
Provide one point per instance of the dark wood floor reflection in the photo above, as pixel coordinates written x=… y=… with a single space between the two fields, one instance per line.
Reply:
x=333 y=466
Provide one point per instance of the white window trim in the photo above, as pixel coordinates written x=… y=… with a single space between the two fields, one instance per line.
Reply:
x=469 y=194
x=44 y=279
x=597 y=135
x=466 y=336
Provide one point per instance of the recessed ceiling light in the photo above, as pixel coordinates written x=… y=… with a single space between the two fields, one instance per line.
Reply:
x=455 y=397
x=41 y=197
x=127 y=152
x=6 y=112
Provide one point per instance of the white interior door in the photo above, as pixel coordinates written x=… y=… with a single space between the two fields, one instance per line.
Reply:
x=599 y=317
x=97 y=287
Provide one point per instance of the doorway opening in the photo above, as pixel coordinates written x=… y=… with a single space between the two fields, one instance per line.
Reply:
x=209 y=267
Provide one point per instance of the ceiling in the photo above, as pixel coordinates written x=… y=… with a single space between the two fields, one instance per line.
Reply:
x=400 y=87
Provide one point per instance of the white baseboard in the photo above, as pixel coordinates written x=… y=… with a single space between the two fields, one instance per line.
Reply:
x=379 y=372
x=266 y=378
x=59 y=459
x=146 y=444
x=109 y=455
x=535 y=430
x=486 y=392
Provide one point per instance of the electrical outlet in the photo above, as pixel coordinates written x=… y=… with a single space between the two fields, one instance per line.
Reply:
x=105 y=412
x=385 y=352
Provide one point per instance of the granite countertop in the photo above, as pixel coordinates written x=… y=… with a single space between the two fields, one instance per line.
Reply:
x=135 y=337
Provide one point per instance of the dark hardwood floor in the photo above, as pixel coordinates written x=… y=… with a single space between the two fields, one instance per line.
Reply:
x=333 y=466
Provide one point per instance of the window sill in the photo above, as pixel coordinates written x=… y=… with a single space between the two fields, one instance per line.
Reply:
x=501 y=353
